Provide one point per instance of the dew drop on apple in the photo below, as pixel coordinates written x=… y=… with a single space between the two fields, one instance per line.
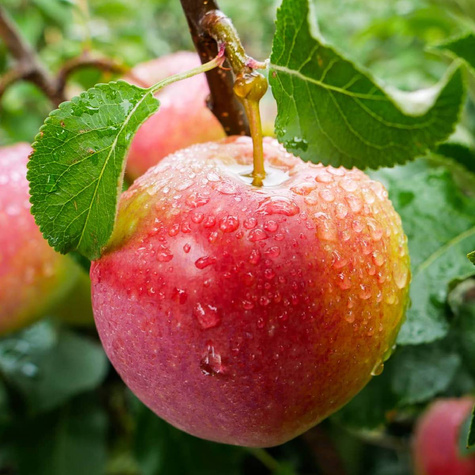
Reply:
x=378 y=369
x=257 y=235
x=247 y=305
x=250 y=223
x=271 y=226
x=205 y=261
x=273 y=252
x=278 y=205
x=304 y=188
x=210 y=363
x=228 y=224
x=400 y=274
x=206 y=315
x=255 y=257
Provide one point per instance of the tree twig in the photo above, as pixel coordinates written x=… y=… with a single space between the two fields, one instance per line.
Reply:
x=222 y=102
x=87 y=60
x=28 y=66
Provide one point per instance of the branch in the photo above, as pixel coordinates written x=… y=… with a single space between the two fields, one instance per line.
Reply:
x=222 y=102
x=28 y=65
x=87 y=60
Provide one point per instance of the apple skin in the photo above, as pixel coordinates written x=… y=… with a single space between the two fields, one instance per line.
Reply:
x=183 y=118
x=246 y=315
x=436 y=438
x=33 y=277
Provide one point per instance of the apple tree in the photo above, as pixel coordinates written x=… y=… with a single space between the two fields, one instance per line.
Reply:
x=244 y=290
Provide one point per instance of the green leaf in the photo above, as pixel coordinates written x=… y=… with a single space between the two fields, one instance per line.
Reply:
x=418 y=373
x=463 y=47
x=412 y=375
x=49 y=366
x=330 y=111
x=71 y=440
x=76 y=169
x=465 y=449
x=439 y=220
x=471 y=257
x=462 y=303
x=460 y=153
x=471 y=431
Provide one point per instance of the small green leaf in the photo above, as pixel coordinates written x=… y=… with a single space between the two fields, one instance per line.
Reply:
x=330 y=111
x=463 y=47
x=76 y=169
x=465 y=448
x=427 y=198
x=471 y=257
x=49 y=366
x=471 y=431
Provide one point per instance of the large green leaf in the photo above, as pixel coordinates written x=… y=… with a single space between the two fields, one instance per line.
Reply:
x=49 y=366
x=332 y=112
x=414 y=374
x=463 y=47
x=439 y=220
x=71 y=440
x=76 y=169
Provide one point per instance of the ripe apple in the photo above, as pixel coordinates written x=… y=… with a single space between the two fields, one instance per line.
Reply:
x=33 y=277
x=183 y=118
x=246 y=315
x=436 y=441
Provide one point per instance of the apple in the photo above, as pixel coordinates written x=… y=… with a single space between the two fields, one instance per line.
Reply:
x=436 y=439
x=183 y=118
x=33 y=277
x=242 y=314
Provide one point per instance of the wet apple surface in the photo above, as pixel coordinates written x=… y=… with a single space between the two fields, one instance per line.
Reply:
x=244 y=314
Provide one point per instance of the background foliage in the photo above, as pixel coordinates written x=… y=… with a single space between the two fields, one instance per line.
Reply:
x=63 y=410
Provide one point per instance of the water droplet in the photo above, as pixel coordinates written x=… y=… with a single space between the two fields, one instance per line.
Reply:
x=348 y=184
x=173 y=230
x=212 y=237
x=164 y=255
x=228 y=224
x=378 y=258
x=273 y=252
x=184 y=185
x=355 y=203
x=350 y=316
x=209 y=222
x=378 y=369
x=226 y=188
x=271 y=226
x=400 y=274
x=197 y=217
x=179 y=295
x=341 y=211
x=257 y=235
x=365 y=292
x=255 y=257
x=250 y=223
x=207 y=316
x=327 y=195
x=303 y=188
x=187 y=248
x=205 y=261
x=278 y=205
x=260 y=323
x=195 y=200
x=247 y=305
x=269 y=274
x=264 y=301
x=323 y=177
x=210 y=363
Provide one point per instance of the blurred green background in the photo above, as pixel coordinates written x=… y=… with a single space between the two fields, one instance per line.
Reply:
x=63 y=410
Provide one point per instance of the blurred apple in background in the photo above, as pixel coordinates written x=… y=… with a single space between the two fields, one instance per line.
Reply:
x=436 y=448
x=33 y=277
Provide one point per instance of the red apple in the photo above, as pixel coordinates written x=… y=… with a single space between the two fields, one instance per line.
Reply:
x=183 y=118
x=246 y=315
x=436 y=441
x=33 y=277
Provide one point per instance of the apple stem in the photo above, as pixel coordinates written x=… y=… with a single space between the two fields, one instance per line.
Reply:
x=215 y=62
x=250 y=87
